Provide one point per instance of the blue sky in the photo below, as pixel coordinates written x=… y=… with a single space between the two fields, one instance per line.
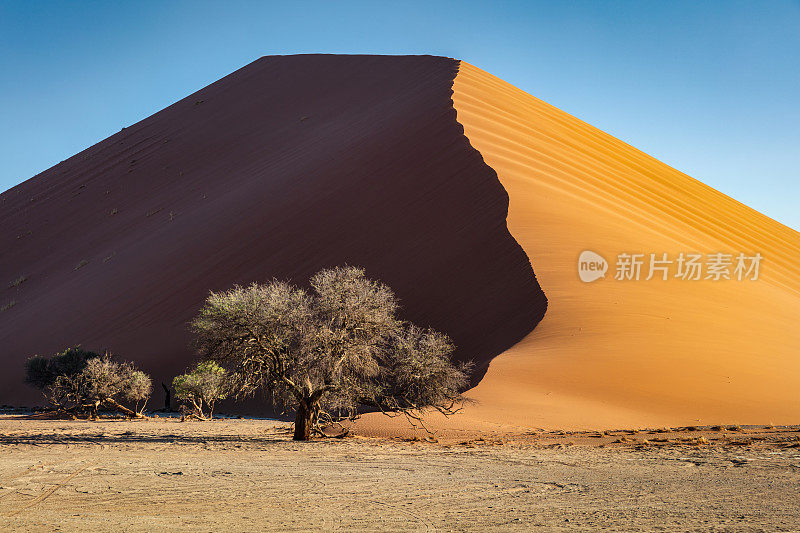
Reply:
x=711 y=88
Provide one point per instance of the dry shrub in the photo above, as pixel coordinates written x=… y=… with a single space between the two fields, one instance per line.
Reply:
x=201 y=388
x=327 y=351
x=78 y=381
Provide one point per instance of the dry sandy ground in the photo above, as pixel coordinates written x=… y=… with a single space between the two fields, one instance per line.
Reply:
x=247 y=475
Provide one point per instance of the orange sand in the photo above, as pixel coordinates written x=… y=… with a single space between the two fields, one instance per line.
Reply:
x=615 y=353
x=636 y=353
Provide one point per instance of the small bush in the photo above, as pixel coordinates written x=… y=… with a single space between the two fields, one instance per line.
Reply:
x=138 y=389
x=80 y=381
x=17 y=282
x=104 y=381
x=200 y=389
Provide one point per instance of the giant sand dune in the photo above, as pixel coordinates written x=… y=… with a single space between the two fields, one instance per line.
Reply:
x=447 y=183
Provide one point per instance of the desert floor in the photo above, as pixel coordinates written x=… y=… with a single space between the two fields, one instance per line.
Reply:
x=239 y=475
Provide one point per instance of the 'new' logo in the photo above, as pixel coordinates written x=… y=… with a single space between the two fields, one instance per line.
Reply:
x=591 y=266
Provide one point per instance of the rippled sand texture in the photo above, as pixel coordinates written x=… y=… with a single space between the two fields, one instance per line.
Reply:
x=613 y=353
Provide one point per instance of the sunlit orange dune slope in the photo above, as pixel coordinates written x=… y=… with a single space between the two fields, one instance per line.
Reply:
x=626 y=353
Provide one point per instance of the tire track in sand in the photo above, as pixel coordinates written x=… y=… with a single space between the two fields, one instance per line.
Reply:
x=49 y=492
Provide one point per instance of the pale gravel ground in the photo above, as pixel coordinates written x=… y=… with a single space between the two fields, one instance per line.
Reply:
x=245 y=475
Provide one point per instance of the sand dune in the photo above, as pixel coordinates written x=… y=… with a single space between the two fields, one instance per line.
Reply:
x=287 y=166
x=297 y=163
x=629 y=353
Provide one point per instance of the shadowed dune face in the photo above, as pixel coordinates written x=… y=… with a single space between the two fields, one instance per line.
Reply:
x=287 y=166
x=629 y=353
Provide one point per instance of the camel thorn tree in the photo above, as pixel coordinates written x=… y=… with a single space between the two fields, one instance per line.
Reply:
x=327 y=351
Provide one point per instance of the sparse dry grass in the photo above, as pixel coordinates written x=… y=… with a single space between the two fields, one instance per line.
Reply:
x=8 y=305
x=17 y=282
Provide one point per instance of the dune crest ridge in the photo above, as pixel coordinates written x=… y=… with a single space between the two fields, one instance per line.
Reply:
x=629 y=353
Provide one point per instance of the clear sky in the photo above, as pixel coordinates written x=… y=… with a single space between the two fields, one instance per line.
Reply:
x=711 y=88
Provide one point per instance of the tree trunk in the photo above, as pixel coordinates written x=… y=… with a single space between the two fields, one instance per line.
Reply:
x=119 y=407
x=166 y=398
x=303 y=421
